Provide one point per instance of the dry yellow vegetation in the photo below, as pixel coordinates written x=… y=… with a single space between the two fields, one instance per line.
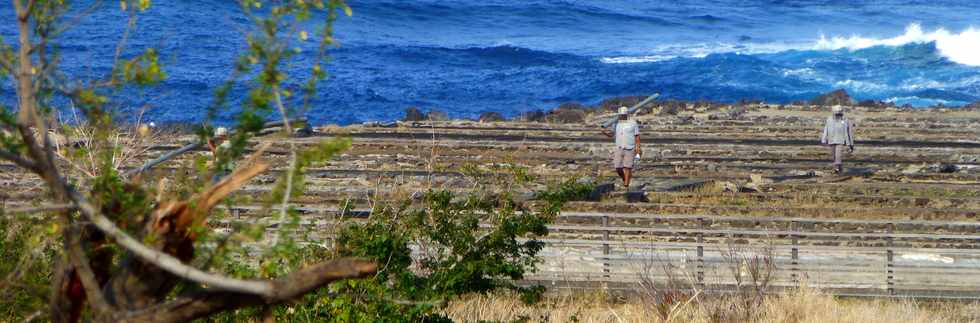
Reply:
x=801 y=305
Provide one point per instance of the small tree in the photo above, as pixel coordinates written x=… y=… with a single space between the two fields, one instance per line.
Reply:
x=121 y=254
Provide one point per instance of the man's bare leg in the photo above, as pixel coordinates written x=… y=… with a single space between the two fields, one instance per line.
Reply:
x=622 y=175
x=627 y=175
x=836 y=152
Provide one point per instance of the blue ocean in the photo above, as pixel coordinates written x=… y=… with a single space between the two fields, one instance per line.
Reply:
x=469 y=57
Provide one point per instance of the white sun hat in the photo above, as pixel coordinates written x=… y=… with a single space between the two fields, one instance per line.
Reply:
x=838 y=109
x=623 y=110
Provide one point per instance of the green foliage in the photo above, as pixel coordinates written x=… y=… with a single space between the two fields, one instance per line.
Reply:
x=568 y=190
x=26 y=266
x=89 y=98
x=429 y=252
x=143 y=70
x=8 y=141
x=126 y=204
x=140 y=5
x=6 y=54
x=521 y=175
x=474 y=244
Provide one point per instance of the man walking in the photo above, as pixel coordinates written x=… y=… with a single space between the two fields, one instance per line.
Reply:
x=838 y=133
x=627 y=134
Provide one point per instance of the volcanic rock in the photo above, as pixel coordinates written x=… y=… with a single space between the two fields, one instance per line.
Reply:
x=836 y=97
x=878 y=104
x=572 y=106
x=491 y=117
x=636 y=197
x=671 y=108
x=304 y=131
x=413 y=114
x=972 y=106
x=944 y=168
x=566 y=116
x=379 y=124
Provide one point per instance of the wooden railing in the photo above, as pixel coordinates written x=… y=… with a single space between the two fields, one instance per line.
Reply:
x=717 y=253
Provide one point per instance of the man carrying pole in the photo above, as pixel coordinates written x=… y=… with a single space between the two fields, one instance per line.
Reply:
x=627 y=134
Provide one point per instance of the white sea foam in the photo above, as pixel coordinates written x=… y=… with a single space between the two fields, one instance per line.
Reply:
x=636 y=59
x=920 y=102
x=921 y=83
x=963 y=47
x=804 y=72
x=696 y=50
x=864 y=86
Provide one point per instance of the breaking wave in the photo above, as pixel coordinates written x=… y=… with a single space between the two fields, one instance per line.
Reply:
x=962 y=47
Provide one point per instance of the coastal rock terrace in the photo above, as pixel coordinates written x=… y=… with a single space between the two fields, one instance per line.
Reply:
x=720 y=188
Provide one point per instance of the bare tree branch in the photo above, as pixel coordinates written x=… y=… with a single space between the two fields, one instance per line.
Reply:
x=43 y=167
x=27 y=113
x=58 y=302
x=292 y=160
x=22 y=75
x=84 y=271
x=130 y=24
x=165 y=261
x=33 y=316
x=30 y=7
x=282 y=111
x=171 y=264
x=294 y=285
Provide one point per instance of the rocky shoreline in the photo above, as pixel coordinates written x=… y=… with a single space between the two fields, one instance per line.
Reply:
x=574 y=112
x=680 y=110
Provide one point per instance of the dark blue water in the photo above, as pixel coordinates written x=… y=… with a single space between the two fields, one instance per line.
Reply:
x=468 y=57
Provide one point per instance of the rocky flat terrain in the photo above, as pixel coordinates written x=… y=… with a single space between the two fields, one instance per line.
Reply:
x=714 y=177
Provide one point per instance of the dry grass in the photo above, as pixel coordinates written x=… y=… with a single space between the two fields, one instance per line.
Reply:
x=802 y=305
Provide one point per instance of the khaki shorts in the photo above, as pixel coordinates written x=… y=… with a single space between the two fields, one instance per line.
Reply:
x=623 y=158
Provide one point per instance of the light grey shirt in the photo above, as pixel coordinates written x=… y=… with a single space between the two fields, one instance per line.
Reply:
x=837 y=132
x=626 y=132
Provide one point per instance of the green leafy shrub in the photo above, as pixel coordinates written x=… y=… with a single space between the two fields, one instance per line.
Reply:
x=430 y=253
x=26 y=268
x=568 y=190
